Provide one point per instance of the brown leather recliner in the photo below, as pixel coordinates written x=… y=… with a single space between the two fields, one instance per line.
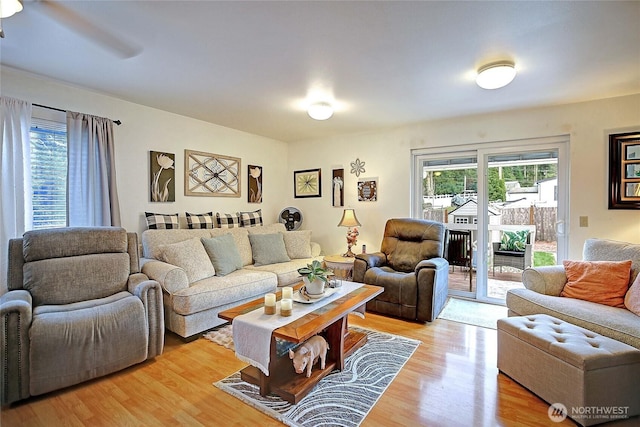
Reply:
x=410 y=267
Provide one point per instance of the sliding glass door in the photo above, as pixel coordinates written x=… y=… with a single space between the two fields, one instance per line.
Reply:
x=504 y=206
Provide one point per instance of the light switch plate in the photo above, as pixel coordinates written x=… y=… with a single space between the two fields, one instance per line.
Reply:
x=584 y=221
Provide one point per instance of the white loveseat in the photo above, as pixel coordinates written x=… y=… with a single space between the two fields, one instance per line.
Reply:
x=544 y=285
x=194 y=294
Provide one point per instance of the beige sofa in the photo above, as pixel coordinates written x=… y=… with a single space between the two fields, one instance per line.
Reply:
x=194 y=294
x=544 y=285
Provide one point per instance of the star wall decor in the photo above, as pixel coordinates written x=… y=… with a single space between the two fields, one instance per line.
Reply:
x=357 y=167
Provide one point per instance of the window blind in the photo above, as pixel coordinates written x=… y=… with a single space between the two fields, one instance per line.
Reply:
x=49 y=173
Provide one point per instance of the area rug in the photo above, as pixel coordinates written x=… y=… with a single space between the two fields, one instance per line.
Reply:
x=342 y=398
x=222 y=336
x=473 y=312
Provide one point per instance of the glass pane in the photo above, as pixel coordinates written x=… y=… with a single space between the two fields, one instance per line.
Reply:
x=450 y=195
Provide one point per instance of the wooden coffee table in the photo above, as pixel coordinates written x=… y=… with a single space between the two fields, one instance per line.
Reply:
x=330 y=319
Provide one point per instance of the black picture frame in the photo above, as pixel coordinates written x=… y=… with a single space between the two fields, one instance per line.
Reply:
x=624 y=164
x=307 y=183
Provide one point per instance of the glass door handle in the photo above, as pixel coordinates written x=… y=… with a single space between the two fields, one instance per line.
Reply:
x=560 y=228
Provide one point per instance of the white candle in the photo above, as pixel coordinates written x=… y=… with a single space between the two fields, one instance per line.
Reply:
x=287 y=292
x=286 y=304
x=270 y=300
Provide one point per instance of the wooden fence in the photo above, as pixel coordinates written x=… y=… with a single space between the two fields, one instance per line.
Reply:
x=544 y=218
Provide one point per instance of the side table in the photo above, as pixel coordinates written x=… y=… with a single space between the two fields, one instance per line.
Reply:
x=342 y=266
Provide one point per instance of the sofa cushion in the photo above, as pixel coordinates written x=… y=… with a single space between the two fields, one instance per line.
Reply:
x=632 y=298
x=276 y=227
x=205 y=220
x=241 y=238
x=613 y=322
x=218 y=291
x=298 y=243
x=65 y=348
x=603 y=282
x=191 y=257
x=268 y=249
x=153 y=240
x=223 y=254
x=287 y=272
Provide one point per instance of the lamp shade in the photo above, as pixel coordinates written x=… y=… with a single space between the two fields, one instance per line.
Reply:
x=496 y=75
x=9 y=7
x=320 y=111
x=349 y=219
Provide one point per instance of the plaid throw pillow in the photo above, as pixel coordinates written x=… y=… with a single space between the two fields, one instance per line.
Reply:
x=161 y=221
x=200 y=220
x=227 y=220
x=251 y=219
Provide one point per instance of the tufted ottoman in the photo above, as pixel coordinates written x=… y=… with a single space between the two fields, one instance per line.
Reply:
x=595 y=377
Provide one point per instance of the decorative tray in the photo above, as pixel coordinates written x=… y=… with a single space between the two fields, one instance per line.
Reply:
x=301 y=298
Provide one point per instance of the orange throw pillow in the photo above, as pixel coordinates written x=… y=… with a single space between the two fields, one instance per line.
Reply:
x=604 y=282
x=632 y=298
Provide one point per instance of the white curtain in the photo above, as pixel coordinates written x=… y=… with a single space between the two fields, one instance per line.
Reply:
x=92 y=195
x=15 y=178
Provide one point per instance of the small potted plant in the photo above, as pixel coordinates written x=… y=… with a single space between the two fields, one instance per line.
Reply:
x=315 y=276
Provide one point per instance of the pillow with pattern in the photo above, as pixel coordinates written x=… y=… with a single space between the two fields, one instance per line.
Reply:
x=200 y=221
x=251 y=219
x=514 y=240
x=227 y=220
x=161 y=221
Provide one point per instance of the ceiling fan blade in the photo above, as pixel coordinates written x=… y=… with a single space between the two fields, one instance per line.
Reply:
x=90 y=30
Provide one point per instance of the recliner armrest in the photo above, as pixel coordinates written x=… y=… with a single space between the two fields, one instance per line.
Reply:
x=150 y=293
x=16 y=314
x=432 y=263
x=376 y=259
x=546 y=280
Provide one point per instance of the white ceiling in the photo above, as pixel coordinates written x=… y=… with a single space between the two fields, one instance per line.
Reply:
x=253 y=65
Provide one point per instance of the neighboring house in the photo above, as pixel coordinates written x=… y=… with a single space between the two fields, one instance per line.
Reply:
x=544 y=193
x=467 y=213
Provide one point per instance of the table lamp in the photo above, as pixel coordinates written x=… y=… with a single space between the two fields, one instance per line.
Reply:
x=349 y=220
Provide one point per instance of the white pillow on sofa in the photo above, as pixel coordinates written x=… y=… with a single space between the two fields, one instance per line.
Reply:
x=191 y=257
x=298 y=243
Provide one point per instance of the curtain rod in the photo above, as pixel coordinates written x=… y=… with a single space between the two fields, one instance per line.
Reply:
x=118 y=122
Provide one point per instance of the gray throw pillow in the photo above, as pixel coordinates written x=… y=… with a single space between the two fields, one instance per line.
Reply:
x=224 y=254
x=268 y=249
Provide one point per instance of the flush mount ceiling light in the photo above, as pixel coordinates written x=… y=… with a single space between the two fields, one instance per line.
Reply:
x=496 y=75
x=9 y=8
x=320 y=111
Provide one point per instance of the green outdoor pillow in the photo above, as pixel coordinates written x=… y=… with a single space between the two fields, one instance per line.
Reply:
x=223 y=252
x=268 y=249
x=514 y=240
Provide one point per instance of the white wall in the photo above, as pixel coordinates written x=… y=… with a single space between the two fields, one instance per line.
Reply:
x=147 y=129
x=387 y=156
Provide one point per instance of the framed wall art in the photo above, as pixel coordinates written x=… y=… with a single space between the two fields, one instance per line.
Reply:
x=208 y=174
x=624 y=171
x=368 y=190
x=307 y=183
x=255 y=184
x=338 y=188
x=162 y=176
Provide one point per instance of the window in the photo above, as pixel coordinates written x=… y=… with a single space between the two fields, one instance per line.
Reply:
x=49 y=173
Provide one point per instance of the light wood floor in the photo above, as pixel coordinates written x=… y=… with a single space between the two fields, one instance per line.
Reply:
x=451 y=380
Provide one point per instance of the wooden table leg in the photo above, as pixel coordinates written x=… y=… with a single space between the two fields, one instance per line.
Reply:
x=265 y=381
x=335 y=339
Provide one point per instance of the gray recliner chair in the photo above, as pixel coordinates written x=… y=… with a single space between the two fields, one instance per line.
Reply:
x=410 y=267
x=77 y=308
